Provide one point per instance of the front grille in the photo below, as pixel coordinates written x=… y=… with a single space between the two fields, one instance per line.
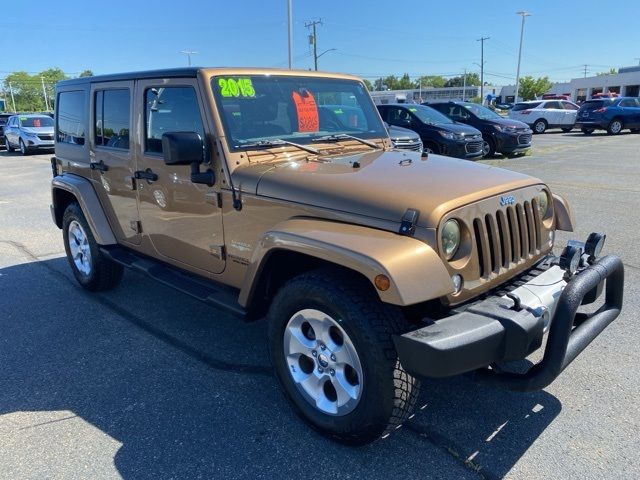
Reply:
x=44 y=136
x=413 y=145
x=473 y=147
x=509 y=236
x=524 y=139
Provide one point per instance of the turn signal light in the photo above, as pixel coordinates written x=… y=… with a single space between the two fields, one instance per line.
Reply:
x=382 y=282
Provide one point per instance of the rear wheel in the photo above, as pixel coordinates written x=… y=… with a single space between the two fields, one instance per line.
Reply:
x=587 y=131
x=635 y=130
x=92 y=269
x=540 y=126
x=615 y=127
x=331 y=347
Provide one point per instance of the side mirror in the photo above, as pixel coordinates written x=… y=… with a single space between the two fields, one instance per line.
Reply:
x=187 y=148
x=182 y=148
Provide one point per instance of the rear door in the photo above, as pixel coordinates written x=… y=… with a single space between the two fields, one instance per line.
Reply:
x=553 y=112
x=631 y=112
x=110 y=153
x=570 y=113
x=181 y=219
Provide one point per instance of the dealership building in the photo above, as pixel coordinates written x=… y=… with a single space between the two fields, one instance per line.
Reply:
x=432 y=94
x=625 y=83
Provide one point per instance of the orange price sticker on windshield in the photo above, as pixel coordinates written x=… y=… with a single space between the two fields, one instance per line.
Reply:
x=307 y=111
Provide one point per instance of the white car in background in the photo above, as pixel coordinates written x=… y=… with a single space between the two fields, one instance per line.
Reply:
x=543 y=114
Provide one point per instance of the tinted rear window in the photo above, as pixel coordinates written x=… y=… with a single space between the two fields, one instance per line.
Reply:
x=594 y=104
x=523 y=106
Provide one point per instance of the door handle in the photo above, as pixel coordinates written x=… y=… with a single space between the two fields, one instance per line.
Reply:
x=145 y=175
x=99 y=166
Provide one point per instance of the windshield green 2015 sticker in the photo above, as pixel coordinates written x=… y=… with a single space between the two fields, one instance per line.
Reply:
x=236 y=87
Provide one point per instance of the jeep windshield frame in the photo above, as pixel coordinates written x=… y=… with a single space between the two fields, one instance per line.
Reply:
x=300 y=109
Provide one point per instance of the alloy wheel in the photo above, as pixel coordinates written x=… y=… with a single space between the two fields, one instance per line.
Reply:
x=323 y=362
x=79 y=247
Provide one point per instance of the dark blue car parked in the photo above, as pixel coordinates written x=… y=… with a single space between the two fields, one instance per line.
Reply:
x=610 y=114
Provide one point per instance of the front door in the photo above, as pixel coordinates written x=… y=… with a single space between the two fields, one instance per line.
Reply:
x=181 y=219
x=111 y=159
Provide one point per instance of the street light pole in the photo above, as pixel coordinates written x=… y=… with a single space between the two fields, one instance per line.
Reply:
x=290 y=27
x=523 y=14
x=44 y=91
x=481 y=40
x=188 y=53
x=464 y=84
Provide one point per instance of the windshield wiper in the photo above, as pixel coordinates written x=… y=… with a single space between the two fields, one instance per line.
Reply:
x=277 y=143
x=343 y=136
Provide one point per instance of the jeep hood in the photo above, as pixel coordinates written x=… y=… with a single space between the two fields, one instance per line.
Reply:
x=384 y=185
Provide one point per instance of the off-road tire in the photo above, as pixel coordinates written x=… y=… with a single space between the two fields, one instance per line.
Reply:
x=540 y=126
x=104 y=273
x=612 y=128
x=587 y=131
x=389 y=393
x=8 y=145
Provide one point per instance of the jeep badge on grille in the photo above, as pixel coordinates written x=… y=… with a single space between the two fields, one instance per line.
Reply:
x=507 y=200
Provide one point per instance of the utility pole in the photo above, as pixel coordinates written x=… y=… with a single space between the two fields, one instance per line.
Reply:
x=290 y=27
x=464 y=84
x=44 y=90
x=188 y=53
x=313 y=40
x=481 y=40
x=523 y=14
x=637 y=58
x=585 y=70
x=13 y=100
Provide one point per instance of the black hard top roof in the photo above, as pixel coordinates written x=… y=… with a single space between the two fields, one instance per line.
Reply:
x=164 y=73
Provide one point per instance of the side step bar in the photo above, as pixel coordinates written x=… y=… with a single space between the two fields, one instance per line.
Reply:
x=220 y=296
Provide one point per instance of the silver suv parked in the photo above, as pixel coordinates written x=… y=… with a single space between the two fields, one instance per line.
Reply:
x=28 y=132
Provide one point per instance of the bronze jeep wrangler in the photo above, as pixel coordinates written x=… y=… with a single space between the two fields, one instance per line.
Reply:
x=279 y=193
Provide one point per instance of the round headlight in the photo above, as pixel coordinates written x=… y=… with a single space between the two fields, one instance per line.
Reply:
x=450 y=238
x=543 y=203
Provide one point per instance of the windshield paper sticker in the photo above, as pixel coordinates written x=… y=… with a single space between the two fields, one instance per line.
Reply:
x=236 y=87
x=307 y=111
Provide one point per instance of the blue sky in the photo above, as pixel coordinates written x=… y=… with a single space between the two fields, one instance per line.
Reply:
x=372 y=38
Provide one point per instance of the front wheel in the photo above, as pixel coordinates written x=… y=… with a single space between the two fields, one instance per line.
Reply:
x=23 y=148
x=92 y=269
x=331 y=347
x=615 y=127
x=488 y=147
x=8 y=145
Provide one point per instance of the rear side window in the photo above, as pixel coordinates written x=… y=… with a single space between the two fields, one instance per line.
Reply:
x=71 y=118
x=593 y=104
x=112 y=122
x=552 y=106
x=170 y=109
x=525 y=106
x=569 y=106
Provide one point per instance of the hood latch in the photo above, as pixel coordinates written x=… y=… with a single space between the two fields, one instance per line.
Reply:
x=409 y=220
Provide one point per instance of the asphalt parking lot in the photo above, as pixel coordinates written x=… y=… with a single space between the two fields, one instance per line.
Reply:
x=145 y=382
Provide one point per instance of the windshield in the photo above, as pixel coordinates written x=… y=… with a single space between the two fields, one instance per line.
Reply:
x=482 y=112
x=298 y=109
x=36 y=122
x=428 y=115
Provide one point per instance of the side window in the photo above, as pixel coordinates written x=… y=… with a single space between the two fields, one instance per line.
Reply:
x=71 y=118
x=170 y=109
x=112 y=122
x=569 y=106
x=552 y=106
x=399 y=117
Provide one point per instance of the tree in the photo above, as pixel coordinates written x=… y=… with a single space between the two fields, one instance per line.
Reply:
x=28 y=89
x=473 y=79
x=531 y=88
x=611 y=71
x=86 y=73
x=431 y=81
x=367 y=84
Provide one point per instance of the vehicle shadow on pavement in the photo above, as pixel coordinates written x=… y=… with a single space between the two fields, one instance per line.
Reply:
x=187 y=392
